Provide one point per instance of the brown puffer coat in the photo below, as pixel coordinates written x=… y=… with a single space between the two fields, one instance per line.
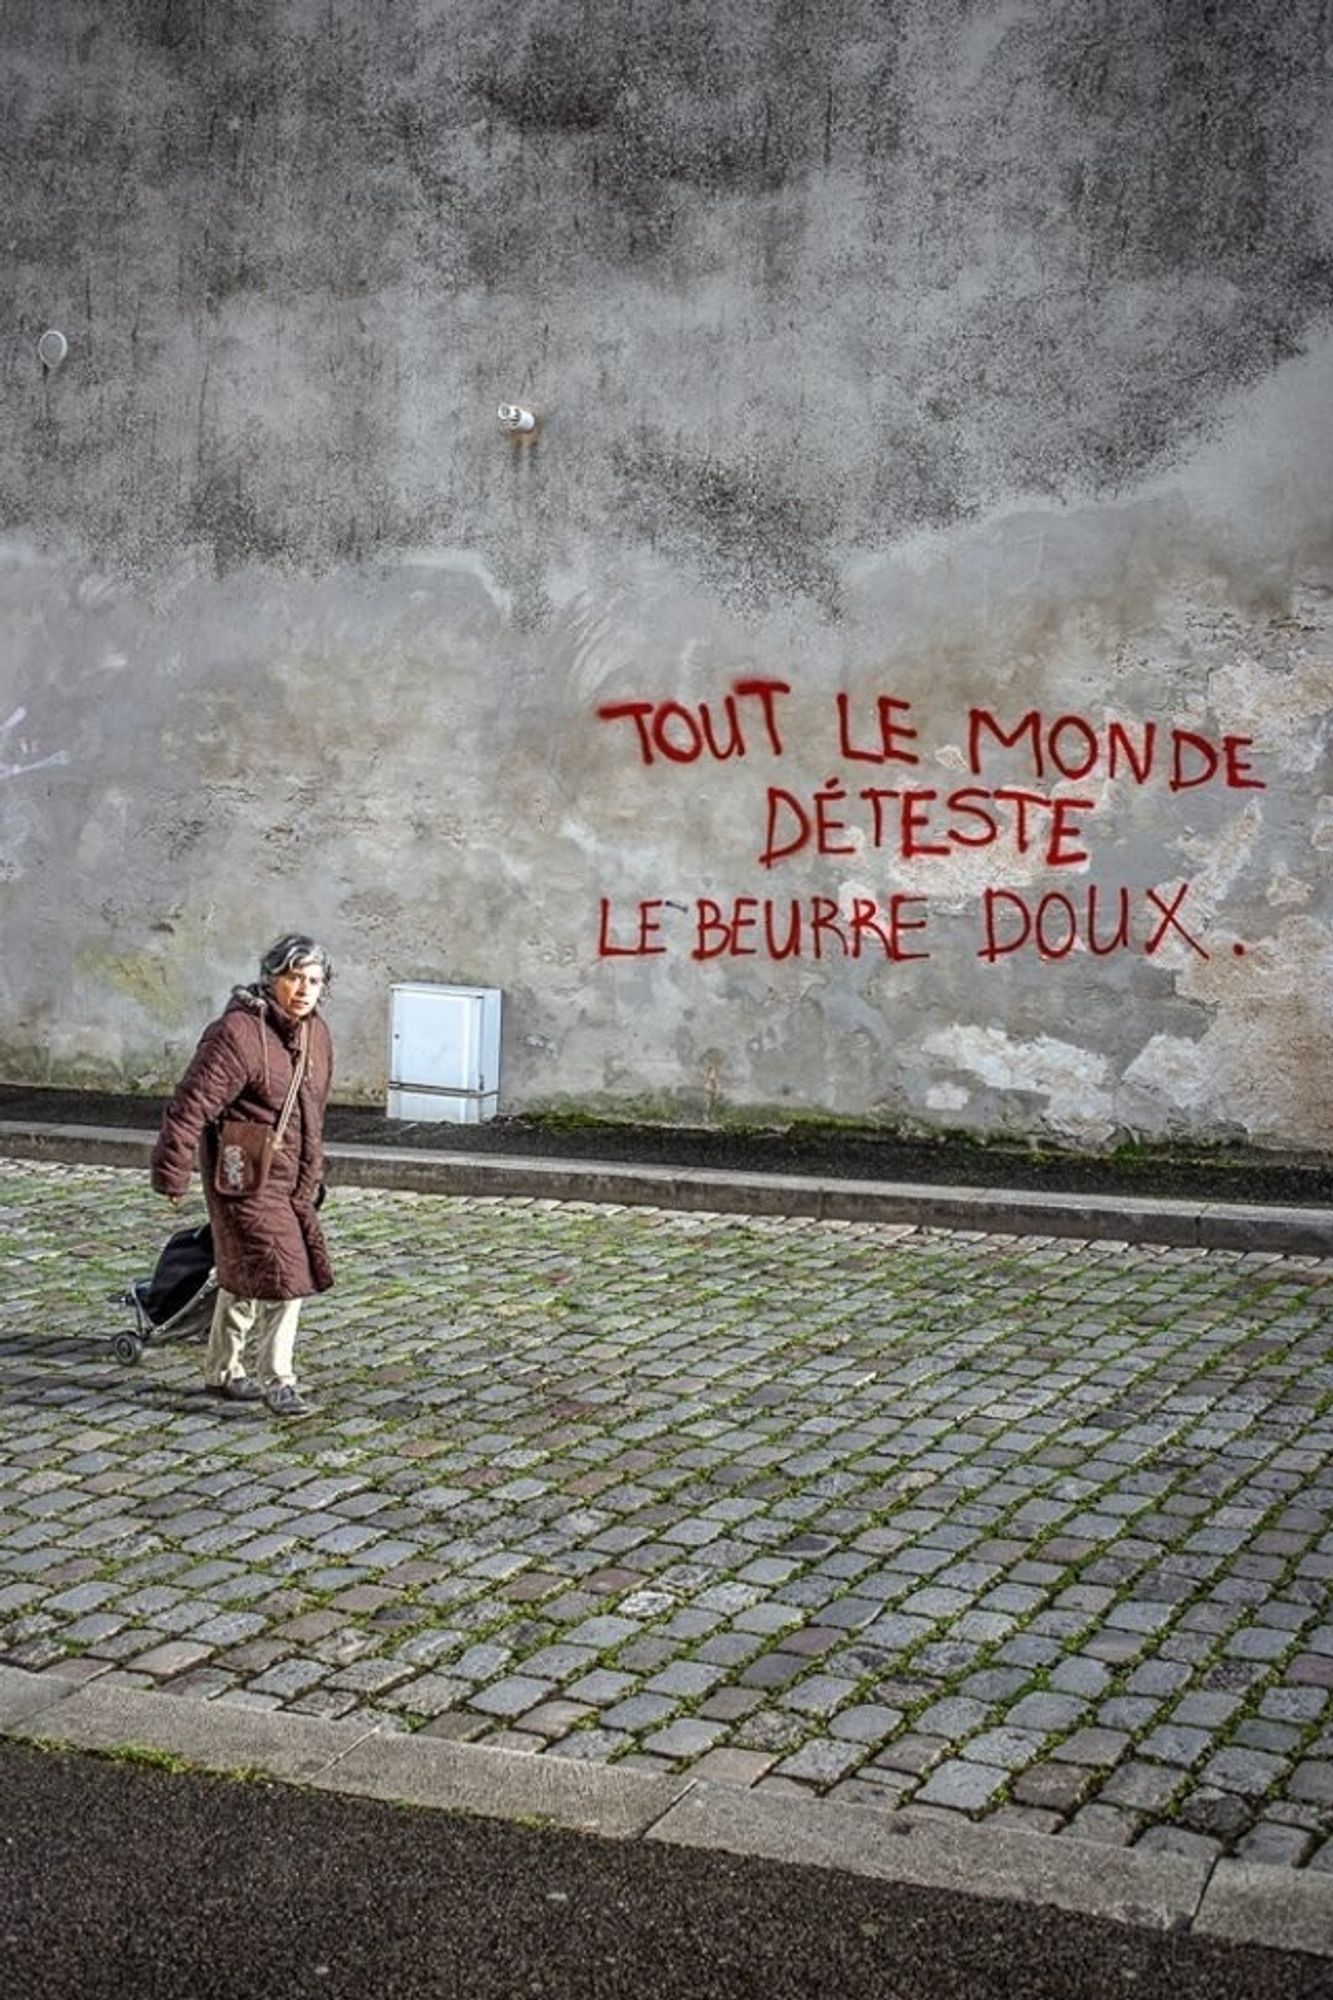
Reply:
x=267 y=1245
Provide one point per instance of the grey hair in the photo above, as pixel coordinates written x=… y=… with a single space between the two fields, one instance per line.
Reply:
x=291 y=950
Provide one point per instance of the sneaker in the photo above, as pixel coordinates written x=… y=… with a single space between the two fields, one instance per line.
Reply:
x=286 y=1400
x=236 y=1389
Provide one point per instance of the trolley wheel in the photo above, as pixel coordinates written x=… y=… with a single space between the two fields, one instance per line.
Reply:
x=127 y=1348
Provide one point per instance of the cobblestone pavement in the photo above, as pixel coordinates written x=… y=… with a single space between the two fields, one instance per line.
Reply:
x=1033 y=1531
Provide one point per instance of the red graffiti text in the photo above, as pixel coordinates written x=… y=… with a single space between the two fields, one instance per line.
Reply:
x=816 y=927
x=1072 y=747
x=683 y=734
x=1098 y=921
x=916 y=823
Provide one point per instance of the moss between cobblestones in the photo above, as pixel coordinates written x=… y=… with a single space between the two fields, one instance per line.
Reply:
x=939 y=1313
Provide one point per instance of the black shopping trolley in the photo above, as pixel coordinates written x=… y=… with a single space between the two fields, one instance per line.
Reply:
x=176 y=1303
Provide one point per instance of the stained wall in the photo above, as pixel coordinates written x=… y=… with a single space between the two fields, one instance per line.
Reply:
x=955 y=379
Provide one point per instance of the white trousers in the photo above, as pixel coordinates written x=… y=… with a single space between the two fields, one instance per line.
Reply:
x=233 y=1320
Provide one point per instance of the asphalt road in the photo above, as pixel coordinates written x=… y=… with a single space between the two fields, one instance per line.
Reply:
x=119 y=1879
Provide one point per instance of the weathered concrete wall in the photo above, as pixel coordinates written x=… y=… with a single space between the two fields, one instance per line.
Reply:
x=977 y=358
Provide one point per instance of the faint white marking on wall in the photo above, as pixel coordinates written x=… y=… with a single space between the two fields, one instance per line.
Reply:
x=26 y=750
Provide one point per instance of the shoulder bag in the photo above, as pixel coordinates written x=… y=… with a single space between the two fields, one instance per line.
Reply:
x=245 y=1147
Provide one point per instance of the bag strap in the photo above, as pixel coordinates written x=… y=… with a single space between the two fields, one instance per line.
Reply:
x=298 y=1077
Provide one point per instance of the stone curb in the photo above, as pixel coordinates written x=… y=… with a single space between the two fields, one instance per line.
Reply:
x=1248 y=1904
x=1158 y=1892
x=1295 y=1232
x=1237 y=1901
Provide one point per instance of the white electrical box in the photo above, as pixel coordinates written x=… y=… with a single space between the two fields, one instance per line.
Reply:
x=444 y=1053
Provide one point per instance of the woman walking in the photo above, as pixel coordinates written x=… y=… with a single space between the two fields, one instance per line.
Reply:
x=252 y=1104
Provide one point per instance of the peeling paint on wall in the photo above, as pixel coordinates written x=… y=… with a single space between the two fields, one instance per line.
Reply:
x=1069 y=1081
